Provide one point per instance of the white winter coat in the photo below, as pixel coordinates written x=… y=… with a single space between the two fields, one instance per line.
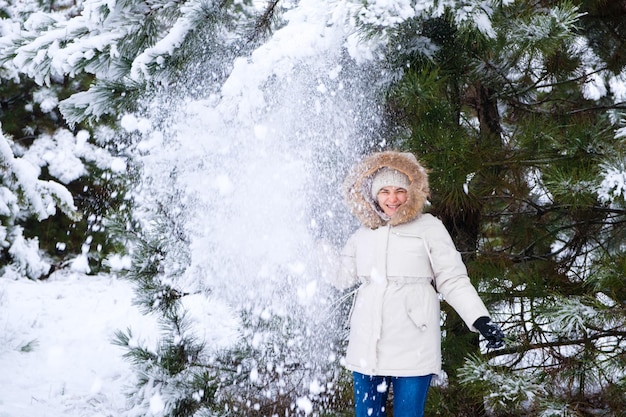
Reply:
x=394 y=321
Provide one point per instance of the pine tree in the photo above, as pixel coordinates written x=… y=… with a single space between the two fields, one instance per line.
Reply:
x=522 y=133
x=39 y=137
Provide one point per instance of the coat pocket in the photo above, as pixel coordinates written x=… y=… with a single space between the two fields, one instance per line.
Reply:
x=422 y=307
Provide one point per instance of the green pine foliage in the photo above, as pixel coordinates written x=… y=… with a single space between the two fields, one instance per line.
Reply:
x=519 y=147
x=173 y=373
x=34 y=127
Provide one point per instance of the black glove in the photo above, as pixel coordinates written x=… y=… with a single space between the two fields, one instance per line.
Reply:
x=490 y=331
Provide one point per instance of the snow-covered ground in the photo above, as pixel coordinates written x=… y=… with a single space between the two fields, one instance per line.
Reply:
x=56 y=352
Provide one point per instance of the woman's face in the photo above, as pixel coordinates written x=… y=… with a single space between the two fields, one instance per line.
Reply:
x=391 y=198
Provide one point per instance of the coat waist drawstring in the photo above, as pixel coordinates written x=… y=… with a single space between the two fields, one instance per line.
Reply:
x=401 y=280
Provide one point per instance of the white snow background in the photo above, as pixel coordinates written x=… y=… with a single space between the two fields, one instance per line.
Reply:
x=56 y=355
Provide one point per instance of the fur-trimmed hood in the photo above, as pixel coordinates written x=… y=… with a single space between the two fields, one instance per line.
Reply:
x=358 y=183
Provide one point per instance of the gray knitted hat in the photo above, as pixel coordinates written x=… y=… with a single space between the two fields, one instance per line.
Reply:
x=385 y=177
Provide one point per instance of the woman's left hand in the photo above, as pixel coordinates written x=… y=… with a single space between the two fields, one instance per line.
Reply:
x=490 y=331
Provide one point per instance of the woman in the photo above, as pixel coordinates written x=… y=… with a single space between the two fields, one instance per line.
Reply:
x=402 y=258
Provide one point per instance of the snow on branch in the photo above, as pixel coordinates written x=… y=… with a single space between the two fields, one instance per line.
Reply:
x=571 y=316
x=24 y=195
x=613 y=185
x=102 y=97
x=506 y=389
x=46 y=47
x=38 y=197
x=542 y=30
x=385 y=14
x=166 y=46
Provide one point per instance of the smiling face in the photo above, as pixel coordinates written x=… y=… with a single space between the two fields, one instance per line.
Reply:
x=390 y=199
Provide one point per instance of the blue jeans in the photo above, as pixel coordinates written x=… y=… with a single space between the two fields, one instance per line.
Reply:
x=409 y=395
